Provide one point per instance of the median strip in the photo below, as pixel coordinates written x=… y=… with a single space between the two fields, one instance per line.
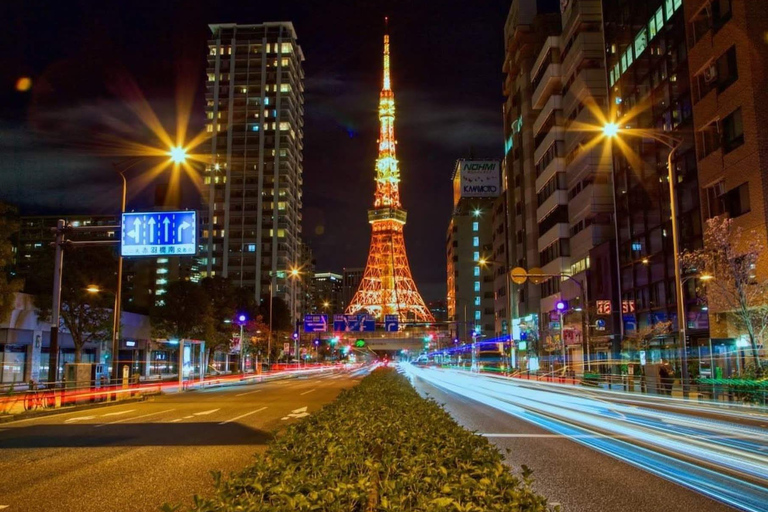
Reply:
x=379 y=446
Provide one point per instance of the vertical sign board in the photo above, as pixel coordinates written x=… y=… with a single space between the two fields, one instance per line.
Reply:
x=315 y=323
x=158 y=234
x=391 y=323
x=476 y=178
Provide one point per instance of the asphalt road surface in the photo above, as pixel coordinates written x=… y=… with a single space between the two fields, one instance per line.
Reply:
x=136 y=456
x=592 y=451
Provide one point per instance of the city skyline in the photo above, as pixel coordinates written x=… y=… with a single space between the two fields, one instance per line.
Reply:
x=434 y=129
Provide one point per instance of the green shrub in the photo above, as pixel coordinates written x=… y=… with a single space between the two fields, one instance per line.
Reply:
x=378 y=447
x=747 y=390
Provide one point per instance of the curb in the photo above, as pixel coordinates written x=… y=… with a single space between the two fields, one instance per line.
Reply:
x=49 y=412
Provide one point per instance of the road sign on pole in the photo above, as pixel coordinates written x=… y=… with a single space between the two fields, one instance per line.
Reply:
x=391 y=323
x=315 y=323
x=156 y=234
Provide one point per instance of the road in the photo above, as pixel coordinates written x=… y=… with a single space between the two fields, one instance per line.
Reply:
x=136 y=456
x=600 y=450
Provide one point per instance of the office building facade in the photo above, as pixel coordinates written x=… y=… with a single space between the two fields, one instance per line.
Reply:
x=253 y=183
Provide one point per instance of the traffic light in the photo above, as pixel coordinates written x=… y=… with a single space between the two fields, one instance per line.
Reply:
x=360 y=343
x=561 y=305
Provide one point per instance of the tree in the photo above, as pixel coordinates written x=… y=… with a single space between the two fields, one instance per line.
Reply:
x=8 y=286
x=735 y=290
x=257 y=334
x=642 y=337
x=185 y=312
x=87 y=316
x=222 y=301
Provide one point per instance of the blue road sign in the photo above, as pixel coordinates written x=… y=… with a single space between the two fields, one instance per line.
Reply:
x=353 y=323
x=391 y=323
x=158 y=233
x=315 y=323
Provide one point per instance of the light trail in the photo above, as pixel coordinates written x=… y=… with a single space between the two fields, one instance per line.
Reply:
x=722 y=459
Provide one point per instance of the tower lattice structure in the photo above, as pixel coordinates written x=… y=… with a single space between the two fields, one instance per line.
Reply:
x=387 y=287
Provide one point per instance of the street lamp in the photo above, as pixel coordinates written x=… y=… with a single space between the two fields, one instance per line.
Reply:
x=508 y=307
x=612 y=130
x=241 y=320
x=178 y=154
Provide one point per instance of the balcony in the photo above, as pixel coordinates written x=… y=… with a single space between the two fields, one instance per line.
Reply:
x=589 y=82
x=593 y=199
x=555 y=133
x=589 y=237
x=556 y=165
x=549 y=83
x=586 y=45
x=550 y=236
x=555 y=102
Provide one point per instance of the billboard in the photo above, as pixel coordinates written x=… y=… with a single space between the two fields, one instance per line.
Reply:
x=158 y=233
x=477 y=178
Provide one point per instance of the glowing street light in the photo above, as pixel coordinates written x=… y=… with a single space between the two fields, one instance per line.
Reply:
x=92 y=288
x=178 y=154
x=611 y=129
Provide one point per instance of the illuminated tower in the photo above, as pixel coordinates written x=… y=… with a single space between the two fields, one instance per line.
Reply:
x=387 y=287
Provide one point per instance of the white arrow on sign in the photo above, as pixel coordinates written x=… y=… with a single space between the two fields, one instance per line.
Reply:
x=151 y=223
x=184 y=225
x=165 y=225
x=136 y=230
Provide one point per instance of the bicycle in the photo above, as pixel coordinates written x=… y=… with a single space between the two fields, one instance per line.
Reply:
x=38 y=398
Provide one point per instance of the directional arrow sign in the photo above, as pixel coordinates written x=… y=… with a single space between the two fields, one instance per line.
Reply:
x=140 y=235
x=151 y=223
x=184 y=225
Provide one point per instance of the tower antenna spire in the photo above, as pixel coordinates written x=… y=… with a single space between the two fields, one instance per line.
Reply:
x=387 y=83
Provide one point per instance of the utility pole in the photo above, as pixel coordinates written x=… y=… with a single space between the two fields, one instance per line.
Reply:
x=53 y=356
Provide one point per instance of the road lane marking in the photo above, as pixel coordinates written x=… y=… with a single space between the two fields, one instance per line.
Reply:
x=249 y=392
x=135 y=418
x=79 y=418
x=119 y=413
x=187 y=417
x=296 y=414
x=203 y=413
x=242 y=416
x=306 y=392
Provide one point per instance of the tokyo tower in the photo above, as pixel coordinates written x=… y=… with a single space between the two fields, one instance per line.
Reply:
x=387 y=287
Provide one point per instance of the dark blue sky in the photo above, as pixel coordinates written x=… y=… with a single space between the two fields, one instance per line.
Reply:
x=82 y=55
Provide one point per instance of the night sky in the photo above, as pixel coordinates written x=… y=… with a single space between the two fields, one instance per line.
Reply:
x=90 y=62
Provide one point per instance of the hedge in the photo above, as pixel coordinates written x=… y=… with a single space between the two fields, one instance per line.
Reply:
x=747 y=390
x=378 y=447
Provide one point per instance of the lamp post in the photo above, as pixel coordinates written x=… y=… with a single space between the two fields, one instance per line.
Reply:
x=178 y=156
x=295 y=275
x=611 y=130
x=560 y=307
x=508 y=306
x=241 y=320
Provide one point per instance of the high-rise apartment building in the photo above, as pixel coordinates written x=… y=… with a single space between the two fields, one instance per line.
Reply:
x=649 y=78
x=351 y=278
x=326 y=294
x=574 y=201
x=469 y=240
x=728 y=74
x=527 y=27
x=255 y=109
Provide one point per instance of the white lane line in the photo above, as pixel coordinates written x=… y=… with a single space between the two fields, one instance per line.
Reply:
x=307 y=392
x=119 y=413
x=4 y=506
x=242 y=416
x=250 y=392
x=204 y=413
x=79 y=418
x=187 y=417
x=135 y=418
x=177 y=419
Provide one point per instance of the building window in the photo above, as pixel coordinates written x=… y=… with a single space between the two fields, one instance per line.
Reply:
x=736 y=201
x=477 y=286
x=641 y=42
x=476 y=241
x=476 y=256
x=733 y=131
x=715 y=204
x=477 y=300
x=709 y=139
x=477 y=271
x=475 y=226
x=727 y=70
x=251 y=247
x=477 y=314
